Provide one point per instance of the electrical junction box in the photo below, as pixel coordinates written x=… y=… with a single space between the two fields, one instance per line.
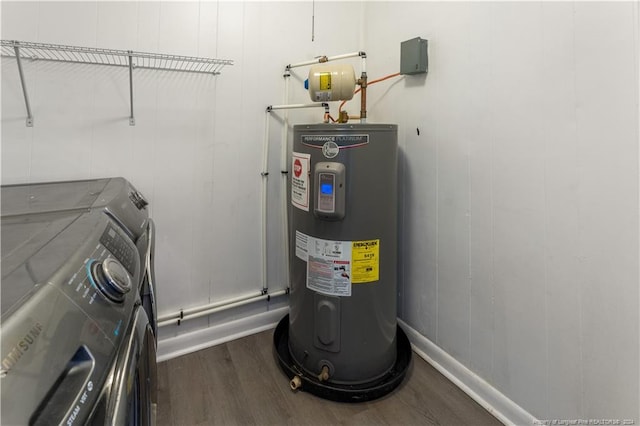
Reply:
x=413 y=56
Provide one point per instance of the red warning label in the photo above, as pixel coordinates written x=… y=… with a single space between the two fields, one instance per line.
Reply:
x=297 y=168
x=300 y=180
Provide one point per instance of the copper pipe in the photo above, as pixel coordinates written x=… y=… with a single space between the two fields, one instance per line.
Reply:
x=363 y=97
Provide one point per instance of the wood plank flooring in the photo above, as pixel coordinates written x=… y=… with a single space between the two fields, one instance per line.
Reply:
x=240 y=383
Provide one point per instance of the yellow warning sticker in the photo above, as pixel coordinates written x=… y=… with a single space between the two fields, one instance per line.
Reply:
x=365 y=261
x=325 y=81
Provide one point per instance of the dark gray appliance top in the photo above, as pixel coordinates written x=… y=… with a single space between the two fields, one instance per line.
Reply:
x=33 y=216
x=59 y=329
x=40 y=227
x=50 y=197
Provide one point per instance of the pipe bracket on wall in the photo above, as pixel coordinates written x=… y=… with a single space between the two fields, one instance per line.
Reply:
x=98 y=56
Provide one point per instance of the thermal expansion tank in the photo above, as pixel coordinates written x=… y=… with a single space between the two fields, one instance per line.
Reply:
x=343 y=251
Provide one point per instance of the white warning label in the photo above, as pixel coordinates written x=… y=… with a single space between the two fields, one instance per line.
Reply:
x=329 y=276
x=328 y=264
x=302 y=240
x=300 y=180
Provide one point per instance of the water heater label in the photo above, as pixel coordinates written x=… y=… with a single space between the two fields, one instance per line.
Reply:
x=365 y=257
x=332 y=277
x=342 y=141
x=300 y=180
x=328 y=264
x=302 y=243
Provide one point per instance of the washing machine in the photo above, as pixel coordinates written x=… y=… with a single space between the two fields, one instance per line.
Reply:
x=78 y=317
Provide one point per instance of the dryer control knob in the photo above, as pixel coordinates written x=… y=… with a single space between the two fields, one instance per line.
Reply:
x=112 y=279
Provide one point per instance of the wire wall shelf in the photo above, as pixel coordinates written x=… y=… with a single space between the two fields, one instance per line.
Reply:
x=97 y=56
x=22 y=50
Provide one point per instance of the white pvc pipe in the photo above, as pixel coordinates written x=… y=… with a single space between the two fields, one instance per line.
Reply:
x=263 y=202
x=319 y=60
x=323 y=59
x=294 y=106
x=222 y=308
x=284 y=205
x=344 y=56
x=283 y=179
x=191 y=311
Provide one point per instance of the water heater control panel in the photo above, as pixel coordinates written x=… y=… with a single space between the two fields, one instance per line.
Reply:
x=329 y=190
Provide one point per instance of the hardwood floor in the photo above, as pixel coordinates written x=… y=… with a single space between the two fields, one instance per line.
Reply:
x=240 y=383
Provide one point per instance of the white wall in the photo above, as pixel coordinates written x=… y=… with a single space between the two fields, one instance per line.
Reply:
x=196 y=148
x=520 y=194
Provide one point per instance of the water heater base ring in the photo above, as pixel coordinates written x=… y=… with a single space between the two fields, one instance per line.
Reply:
x=342 y=393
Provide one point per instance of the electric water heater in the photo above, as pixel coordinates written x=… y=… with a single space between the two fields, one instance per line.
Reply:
x=342 y=339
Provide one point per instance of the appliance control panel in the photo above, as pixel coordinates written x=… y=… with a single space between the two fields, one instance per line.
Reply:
x=138 y=200
x=107 y=270
x=110 y=278
x=329 y=190
x=102 y=277
x=327 y=193
x=110 y=267
x=118 y=246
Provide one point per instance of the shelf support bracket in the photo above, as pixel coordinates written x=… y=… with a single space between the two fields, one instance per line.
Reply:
x=132 y=120
x=29 y=120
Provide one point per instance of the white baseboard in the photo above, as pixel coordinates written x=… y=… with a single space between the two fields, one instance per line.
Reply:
x=183 y=344
x=492 y=400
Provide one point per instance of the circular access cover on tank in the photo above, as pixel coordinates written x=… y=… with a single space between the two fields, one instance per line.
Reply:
x=342 y=393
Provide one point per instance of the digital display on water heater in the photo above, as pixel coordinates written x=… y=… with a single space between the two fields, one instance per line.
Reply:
x=329 y=190
x=326 y=188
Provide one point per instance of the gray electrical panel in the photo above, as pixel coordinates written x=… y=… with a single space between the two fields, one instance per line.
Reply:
x=413 y=56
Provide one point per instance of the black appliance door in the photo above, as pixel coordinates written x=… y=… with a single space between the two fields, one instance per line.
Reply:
x=146 y=247
x=133 y=397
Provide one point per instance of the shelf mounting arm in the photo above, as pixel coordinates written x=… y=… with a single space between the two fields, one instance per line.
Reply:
x=132 y=120
x=29 y=120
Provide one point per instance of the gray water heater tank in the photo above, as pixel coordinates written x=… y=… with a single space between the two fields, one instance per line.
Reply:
x=342 y=330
